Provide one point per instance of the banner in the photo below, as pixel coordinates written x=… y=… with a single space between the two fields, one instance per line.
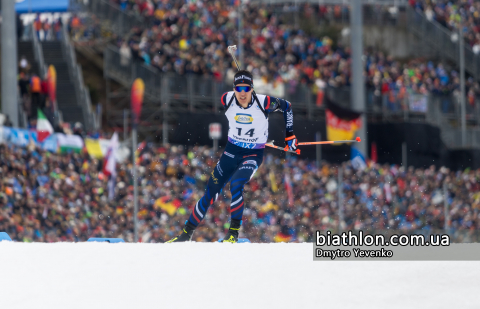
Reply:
x=69 y=143
x=341 y=123
x=50 y=143
x=41 y=6
x=19 y=137
x=138 y=89
x=97 y=148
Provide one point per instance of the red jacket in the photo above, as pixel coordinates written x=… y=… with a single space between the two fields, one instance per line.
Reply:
x=44 y=86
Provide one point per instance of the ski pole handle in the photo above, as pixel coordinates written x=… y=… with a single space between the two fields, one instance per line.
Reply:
x=283 y=149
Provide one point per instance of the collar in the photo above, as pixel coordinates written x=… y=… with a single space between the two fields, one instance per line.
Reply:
x=249 y=104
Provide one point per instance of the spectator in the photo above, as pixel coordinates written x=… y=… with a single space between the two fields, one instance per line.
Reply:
x=57 y=29
x=7 y=122
x=125 y=54
x=35 y=93
x=49 y=112
x=38 y=26
x=23 y=64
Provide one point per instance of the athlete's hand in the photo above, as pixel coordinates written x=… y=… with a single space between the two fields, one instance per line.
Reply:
x=291 y=142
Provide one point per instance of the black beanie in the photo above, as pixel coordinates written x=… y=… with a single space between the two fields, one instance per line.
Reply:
x=243 y=77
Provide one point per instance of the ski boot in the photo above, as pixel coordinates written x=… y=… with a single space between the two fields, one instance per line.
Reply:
x=186 y=235
x=232 y=234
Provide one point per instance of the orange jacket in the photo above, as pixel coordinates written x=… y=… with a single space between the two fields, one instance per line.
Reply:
x=35 y=84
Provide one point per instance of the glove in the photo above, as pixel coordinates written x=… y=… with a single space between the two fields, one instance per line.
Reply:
x=291 y=142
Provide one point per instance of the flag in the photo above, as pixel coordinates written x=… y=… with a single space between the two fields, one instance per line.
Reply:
x=280 y=237
x=109 y=165
x=341 y=123
x=388 y=192
x=358 y=160
x=288 y=187
x=139 y=150
x=69 y=143
x=44 y=128
x=273 y=181
x=93 y=148
x=165 y=204
x=374 y=155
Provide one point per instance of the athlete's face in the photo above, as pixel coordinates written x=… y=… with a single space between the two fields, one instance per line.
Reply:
x=243 y=98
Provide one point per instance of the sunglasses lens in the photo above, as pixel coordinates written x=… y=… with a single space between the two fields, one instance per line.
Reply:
x=242 y=88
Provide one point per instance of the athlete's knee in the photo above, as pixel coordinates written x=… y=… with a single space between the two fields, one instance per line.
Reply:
x=237 y=184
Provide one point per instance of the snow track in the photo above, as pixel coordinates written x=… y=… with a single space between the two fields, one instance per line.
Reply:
x=215 y=275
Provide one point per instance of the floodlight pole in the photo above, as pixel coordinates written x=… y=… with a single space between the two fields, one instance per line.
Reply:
x=135 y=181
x=240 y=34
x=9 y=62
x=358 y=83
x=462 y=87
x=340 y=198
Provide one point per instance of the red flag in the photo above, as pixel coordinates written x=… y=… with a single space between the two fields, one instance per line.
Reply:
x=374 y=156
x=288 y=187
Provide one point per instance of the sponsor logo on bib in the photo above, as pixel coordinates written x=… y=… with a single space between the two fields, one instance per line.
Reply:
x=243 y=118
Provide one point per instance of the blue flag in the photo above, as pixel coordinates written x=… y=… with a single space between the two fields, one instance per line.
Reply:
x=358 y=160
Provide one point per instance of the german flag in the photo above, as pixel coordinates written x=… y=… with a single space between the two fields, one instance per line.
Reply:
x=341 y=123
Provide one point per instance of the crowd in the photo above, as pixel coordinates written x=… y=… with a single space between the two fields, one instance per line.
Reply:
x=34 y=96
x=454 y=15
x=50 y=197
x=47 y=29
x=192 y=37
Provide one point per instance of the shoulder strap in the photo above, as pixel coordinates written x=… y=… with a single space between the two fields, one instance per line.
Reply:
x=259 y=105
x=229 y=102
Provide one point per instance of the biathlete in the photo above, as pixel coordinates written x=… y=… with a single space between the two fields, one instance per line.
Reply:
x=247 y=115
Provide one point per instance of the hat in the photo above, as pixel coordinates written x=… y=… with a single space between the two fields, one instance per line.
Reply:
x=243 y=77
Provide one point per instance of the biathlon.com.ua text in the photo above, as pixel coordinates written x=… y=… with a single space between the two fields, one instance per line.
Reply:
x=350 y=239
x=360 y=239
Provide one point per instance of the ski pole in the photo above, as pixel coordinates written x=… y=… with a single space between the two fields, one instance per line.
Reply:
x=270 y=144
x=330 y=142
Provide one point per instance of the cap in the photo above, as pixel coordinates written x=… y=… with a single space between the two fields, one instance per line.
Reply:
x=243 y=77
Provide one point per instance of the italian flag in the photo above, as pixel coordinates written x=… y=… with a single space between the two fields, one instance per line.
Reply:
x=44 y=128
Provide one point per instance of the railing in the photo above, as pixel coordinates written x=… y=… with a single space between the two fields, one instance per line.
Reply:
x=433 y=34
x=193 y=93
x=38 y=54
x=190 y=92
x=83 y=96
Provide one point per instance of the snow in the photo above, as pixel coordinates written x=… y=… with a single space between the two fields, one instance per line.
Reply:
x=215 y=275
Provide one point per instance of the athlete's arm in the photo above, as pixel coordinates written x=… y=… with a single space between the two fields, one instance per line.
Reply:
x=273 y=104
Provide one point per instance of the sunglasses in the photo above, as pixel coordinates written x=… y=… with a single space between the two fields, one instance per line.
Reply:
x=243 y=88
